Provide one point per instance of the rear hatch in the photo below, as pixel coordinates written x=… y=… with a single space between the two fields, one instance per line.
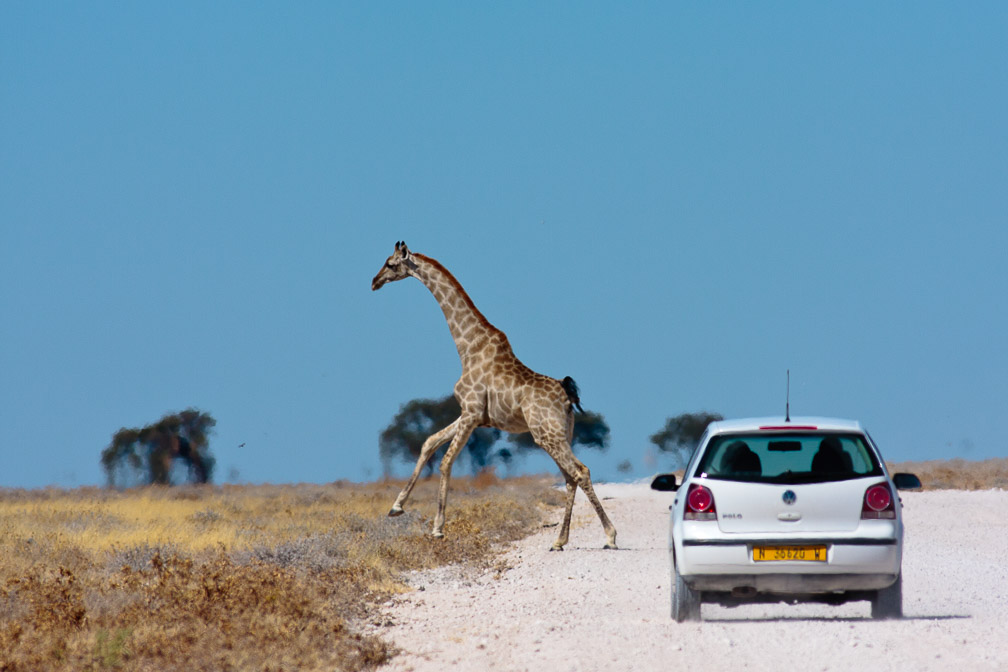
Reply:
x=803 y=481
x=760 y=508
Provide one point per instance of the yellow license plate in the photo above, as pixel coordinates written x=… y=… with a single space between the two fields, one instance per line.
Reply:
x=786 y=553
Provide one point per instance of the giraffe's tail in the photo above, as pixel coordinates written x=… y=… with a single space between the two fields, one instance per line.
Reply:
x=571 y=388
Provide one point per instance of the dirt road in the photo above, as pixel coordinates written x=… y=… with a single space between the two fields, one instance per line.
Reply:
x=590 y=609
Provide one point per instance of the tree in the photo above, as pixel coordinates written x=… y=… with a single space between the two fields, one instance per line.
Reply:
x=681 y=434
x=419 y=418
x=149 y=454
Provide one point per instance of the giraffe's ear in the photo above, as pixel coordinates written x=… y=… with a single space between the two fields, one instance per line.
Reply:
x=397 y=244
x=404 y=250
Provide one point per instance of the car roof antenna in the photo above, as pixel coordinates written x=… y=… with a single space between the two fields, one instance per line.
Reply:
x=787 y=403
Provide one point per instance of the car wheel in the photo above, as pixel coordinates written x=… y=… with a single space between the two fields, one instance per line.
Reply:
x=685 y=600
x=888 y=602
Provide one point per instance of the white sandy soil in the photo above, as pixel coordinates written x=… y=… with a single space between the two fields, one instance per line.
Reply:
x=591 y=609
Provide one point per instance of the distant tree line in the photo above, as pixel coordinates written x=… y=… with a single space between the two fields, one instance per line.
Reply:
x=176 y=449
x=173 y=450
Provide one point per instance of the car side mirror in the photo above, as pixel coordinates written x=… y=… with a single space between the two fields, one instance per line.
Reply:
x=664 y=483
x=905 y=481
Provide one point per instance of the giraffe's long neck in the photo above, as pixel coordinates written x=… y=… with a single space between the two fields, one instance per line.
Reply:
x=467 y=325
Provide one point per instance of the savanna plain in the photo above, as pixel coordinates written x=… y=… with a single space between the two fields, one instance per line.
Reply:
x=316 y=577
x=231 y=577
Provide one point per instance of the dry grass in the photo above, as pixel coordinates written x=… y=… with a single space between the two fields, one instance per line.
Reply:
x=958 y=474
x=233 y=577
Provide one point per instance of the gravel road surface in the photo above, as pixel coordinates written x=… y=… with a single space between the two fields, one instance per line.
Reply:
x=591 y=609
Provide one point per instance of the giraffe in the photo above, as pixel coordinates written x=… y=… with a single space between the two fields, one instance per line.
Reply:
x=494 y=390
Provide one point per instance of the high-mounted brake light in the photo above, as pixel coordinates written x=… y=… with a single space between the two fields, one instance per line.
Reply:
x=700 y=503
x=878 y=503
x=790 y=428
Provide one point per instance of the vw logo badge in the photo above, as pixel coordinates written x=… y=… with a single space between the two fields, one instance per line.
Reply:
x=789 y=497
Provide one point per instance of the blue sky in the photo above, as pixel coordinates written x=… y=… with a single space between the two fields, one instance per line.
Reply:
x=674 y=204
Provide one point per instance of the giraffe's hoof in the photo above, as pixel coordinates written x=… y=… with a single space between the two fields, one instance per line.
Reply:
x=395 y=511
x=437 y=535
x=611 y=547
x=556 y=547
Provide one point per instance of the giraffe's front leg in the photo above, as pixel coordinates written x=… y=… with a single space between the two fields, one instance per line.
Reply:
x=432 y=443
x=464 y=427
x=565 y=526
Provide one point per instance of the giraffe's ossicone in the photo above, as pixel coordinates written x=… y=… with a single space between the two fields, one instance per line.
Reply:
x=494 y=390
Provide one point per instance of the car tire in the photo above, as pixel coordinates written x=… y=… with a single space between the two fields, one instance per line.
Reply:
x=685 y=600
x=888 y=602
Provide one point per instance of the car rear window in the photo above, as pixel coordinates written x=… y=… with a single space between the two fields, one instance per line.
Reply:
x=788 y=458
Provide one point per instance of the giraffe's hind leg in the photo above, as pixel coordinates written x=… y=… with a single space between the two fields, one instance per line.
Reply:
x=565 y=525
x=432 y=443
x=584 y=481
x=578 y=473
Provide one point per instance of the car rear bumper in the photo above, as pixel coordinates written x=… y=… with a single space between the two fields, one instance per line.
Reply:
x=789 y=584
x=851 y=564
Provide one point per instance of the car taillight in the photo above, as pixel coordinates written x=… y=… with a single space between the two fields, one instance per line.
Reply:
x=699 y=503
x=878 y=503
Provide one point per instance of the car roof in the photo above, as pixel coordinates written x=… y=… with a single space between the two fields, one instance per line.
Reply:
x=778 y=423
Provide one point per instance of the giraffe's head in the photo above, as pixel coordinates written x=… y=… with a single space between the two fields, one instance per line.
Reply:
x=396 y=267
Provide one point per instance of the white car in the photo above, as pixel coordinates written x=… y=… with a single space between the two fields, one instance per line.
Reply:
x=786 y=510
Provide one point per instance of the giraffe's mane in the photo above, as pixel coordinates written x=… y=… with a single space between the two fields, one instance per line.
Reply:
x=458 y=286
